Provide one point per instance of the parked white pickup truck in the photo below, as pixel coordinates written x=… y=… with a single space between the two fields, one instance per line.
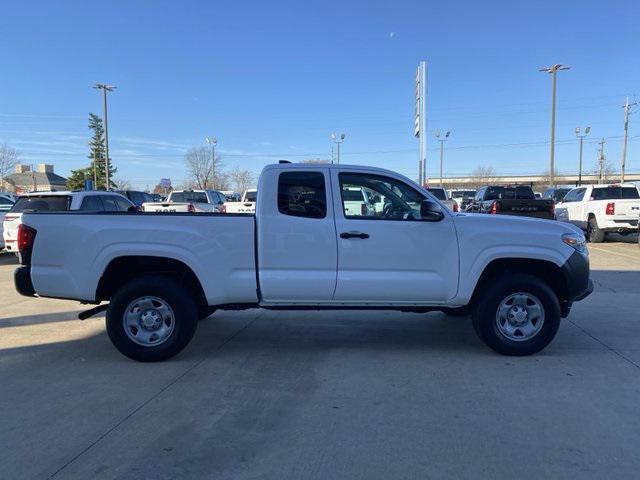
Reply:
x=247 y=203
x=161 y=272
x=192 y=201
x=599 y=209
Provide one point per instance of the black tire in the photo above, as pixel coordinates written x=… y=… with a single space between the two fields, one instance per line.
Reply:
x=182 y=304
x=204 y=313
x=594 y=234
x=485 y=312
x=456 y=312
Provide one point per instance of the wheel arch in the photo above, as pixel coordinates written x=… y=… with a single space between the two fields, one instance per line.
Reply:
x=127 y=267
x=546 y=270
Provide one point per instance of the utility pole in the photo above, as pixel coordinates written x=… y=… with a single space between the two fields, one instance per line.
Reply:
x=212 y=141
x=553 y=70
x=601 y=161
x=337 y=141
x=442 y=140
x=581 y=137
x=105 y=88
x=33 y=178
x=627 y=110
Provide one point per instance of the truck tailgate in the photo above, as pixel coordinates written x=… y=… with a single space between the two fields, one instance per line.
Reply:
x=166 y=207
x=531 y=208
x=625 y=209
x=73 y=249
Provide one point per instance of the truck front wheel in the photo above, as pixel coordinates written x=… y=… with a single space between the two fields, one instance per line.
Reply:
x=151 y=318
x=517 y=314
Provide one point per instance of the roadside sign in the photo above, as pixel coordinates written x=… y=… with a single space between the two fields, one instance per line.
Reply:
x=165 y=183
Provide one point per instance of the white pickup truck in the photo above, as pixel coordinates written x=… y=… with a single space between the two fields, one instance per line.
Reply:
x=160 y=272
x=599 y=209
x=247 y=203
x=191 y=201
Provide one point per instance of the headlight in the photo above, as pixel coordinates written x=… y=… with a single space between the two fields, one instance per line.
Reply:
x=575 y=240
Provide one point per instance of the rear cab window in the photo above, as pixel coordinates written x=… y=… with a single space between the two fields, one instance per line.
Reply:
x=614 y=193
x=302 y=194
x=518 y=192
x=42 y=203
x=189 y=197
x=439 y=193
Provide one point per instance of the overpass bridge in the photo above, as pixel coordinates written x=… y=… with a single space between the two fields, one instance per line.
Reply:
x=539 y=181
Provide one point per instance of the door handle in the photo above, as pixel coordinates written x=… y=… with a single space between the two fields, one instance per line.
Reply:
x=360 y=235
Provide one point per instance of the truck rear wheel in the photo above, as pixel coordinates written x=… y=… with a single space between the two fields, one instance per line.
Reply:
x=151 y=318
x=517 y=315
x=594 y=234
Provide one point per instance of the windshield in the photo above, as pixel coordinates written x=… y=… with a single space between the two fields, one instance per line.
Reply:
x=191 y=197
x=614 y=193
x=42 y=203
x=250 y=196
x=463 y=193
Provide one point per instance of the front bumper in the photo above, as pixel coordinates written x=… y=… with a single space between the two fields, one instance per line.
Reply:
x=576 y=275
x=22 y=281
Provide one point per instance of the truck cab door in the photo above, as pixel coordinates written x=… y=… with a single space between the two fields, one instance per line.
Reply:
x=392 y=256
x=296 y=240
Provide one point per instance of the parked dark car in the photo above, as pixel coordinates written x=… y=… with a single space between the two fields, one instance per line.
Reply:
x=137 y=197
x=511 y=200
x=556 y=194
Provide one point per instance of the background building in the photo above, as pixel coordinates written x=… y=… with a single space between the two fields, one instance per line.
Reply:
x=25 y=179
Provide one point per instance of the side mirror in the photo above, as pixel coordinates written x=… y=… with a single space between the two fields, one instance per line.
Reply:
x=431 y=211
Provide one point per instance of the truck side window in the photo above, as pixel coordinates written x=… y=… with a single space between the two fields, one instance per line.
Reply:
x=392 y=199
x=92 y=203
x=302 y=194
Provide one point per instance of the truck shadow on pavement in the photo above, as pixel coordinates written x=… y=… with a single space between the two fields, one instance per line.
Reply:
x=39 y=319
x=7 y=258
x=296 y=331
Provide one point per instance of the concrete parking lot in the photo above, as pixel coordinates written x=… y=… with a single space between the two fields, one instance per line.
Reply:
x=307 y=395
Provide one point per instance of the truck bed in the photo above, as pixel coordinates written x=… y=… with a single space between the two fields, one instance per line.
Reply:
x=218 y=248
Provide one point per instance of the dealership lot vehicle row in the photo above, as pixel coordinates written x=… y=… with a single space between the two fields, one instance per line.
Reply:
x=320 y=394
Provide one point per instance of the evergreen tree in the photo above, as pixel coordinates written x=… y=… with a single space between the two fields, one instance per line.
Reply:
x=96 y=170
x=77 y=178
x=97 y=155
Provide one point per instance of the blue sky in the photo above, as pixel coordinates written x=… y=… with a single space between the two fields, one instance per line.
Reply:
x=273 y=79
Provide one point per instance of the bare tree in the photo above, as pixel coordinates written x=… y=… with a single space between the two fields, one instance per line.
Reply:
x=204 y=171
x=608 y=173
x=545 y=178
x=122 y=183
x=241 y=179
x=8 y=160
x=483 y=175
x=315 y=160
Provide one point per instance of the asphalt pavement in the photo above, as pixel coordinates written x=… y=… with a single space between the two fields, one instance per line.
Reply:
x=325 y=395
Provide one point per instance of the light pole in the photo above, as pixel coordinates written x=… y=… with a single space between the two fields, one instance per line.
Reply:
x=442 y=140
x=337 y=142
x=553 y=71
x=212 y=141
x=581 y=137
x=105 y=88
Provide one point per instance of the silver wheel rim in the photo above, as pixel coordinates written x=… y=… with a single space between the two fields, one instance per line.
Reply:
x=148 y=321
x=520 y=316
